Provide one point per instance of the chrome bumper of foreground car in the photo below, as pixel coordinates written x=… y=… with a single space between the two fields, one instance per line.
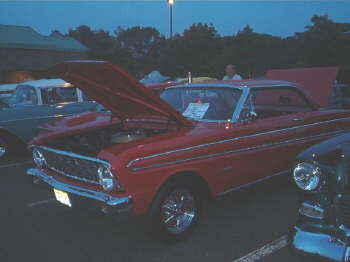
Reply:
x=328 y=242
x=117 y=208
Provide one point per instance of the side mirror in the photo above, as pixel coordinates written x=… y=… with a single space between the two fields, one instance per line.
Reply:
x=250 y=116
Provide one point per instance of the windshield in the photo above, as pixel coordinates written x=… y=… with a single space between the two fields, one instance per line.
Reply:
x=203 y=103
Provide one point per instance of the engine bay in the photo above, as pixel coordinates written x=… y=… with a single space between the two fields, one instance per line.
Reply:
x=91 y=143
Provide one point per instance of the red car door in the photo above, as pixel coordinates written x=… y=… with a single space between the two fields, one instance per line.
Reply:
x=285 y=125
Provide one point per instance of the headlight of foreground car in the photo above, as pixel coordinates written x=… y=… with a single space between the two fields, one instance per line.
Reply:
x=106 y=179
x=307 y=176
x=38 y=158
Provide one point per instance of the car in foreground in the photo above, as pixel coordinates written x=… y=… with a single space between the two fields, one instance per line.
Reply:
x=161 y=156
x=322 y=175
x=34 y=103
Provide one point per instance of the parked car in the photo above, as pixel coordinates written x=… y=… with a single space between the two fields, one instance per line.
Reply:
x=322 y=174
x=162 y=156
x=322 y=83
x=34 y=103
x=6 y=91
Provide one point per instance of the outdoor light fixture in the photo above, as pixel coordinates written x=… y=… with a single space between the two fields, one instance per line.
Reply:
x=171 y=3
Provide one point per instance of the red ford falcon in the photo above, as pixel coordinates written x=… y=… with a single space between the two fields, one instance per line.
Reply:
x=161 y=156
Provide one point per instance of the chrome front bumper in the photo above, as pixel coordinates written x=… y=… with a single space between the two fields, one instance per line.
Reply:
x=118 y=208
x=321 y=241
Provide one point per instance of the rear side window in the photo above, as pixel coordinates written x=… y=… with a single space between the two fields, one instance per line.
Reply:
x=271 y=102
x=59 y=95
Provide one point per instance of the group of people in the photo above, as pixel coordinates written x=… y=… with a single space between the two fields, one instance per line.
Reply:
x=155 y=76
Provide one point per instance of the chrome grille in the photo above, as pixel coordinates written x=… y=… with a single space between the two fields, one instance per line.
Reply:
x=344 y=210
x=72 y=165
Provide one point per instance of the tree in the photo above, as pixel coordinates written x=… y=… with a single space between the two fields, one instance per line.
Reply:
x=103 y=46
x=195 y=51
x=324 y=43
x=144 y=45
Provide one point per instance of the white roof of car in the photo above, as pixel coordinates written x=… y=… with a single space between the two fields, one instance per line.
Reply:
x=8 y=87
x=46 y=83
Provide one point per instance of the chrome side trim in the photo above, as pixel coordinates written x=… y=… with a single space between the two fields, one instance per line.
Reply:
x=237 y=138
x=80 y=191
x=70 y=154
x=252 y=183
x=31 y=118
x=237 y=151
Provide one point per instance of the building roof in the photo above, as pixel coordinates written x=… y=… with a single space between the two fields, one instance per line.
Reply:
x=24 y=37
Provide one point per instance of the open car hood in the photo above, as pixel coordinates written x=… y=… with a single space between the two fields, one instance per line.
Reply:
x=318 y=81
x=112 y=87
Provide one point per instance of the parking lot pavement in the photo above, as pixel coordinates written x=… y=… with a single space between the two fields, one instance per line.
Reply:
x=35 y=228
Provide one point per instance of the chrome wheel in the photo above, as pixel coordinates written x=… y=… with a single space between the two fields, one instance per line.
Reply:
x=3 y=148
x=178 y=211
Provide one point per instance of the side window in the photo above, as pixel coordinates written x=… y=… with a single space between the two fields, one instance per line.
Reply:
x=25 y=95
x=59 y=95
x=270 y=102
x=87 y=98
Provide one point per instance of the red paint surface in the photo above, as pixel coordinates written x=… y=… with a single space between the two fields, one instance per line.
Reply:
x=317 y=81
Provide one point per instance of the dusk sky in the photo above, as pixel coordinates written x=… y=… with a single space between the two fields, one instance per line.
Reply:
x=281 y=18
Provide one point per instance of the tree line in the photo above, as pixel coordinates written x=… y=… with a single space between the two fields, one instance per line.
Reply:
x=202 y=51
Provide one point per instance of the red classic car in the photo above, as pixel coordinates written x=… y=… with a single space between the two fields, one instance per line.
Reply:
x=161 y=156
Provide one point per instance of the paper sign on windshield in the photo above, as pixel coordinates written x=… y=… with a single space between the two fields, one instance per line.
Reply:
x=195 y=110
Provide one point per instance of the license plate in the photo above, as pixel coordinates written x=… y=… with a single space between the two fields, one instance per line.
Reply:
x=62 y=197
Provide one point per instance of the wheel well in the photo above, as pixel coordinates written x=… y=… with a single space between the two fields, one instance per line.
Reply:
x=193 y=179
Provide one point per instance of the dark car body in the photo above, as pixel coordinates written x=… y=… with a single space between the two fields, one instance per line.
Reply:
x=323 y=227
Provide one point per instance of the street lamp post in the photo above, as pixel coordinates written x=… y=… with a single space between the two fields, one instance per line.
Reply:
x=171 y=3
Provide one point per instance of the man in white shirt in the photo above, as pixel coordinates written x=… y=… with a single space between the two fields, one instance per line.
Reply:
x=231 y=73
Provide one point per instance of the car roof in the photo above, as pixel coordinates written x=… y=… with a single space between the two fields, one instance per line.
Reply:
x=46 y=83
x=241 y=84
x=6 y=87
x=255 y=83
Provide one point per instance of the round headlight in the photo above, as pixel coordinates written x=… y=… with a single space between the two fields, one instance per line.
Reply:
x=307 y=176
x=38 y=158
x=106 y=178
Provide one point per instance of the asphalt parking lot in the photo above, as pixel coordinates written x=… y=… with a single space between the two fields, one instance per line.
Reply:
x=35 y=228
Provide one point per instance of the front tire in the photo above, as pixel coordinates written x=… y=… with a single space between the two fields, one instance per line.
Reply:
x=175 y=212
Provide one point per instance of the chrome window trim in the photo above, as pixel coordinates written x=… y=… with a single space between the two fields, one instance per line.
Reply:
x=240 y=105
x=245 y=93
x=233 y=85
x=129 y=165
x=235 y=113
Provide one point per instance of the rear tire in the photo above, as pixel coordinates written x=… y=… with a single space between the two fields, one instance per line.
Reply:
x=175 y=211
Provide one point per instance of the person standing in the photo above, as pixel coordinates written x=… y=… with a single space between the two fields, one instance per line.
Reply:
x=231 y=73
